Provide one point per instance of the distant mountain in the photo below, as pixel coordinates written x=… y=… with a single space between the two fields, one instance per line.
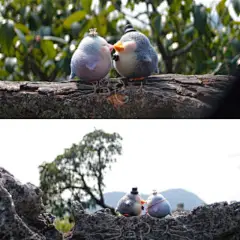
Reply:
x=174 y=196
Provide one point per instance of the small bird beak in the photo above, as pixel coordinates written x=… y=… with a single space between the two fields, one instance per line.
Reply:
x=110 y=47
x=118 y=46
x=143 y=202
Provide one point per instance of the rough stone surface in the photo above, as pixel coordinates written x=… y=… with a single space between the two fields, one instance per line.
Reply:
x=23 y=217
x=162 y=96
x=22 y=214
x=219 y=221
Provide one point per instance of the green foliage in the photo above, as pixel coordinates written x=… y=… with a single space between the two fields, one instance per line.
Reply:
x=63 y=225
x=79 y=172
x=38 y=37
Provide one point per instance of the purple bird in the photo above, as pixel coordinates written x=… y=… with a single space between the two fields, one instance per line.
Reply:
x=91 y=61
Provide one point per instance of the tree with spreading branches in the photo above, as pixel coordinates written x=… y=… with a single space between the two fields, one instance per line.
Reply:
x=78 y=173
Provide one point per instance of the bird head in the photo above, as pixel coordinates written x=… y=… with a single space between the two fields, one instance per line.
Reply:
x=135 y=196
x=125 y=46
x=131 y=41
x=95 y=43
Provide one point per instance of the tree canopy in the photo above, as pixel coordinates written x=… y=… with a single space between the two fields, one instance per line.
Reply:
x=38 y=37
x=78 y=173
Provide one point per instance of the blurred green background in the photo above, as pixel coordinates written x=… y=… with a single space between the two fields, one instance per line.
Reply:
x=38 y=37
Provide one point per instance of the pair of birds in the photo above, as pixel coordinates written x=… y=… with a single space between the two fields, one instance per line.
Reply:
x=132 y=205
x=135 y=57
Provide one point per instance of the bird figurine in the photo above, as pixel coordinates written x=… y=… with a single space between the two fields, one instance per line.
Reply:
x=157 y=205
x=130 y=204
x=92 y=59
x=135 y=57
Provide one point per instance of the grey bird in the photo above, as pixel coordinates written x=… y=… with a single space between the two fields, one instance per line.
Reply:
x=157 y=205
x=130 y=204
x=92 y=59
x=135 y=57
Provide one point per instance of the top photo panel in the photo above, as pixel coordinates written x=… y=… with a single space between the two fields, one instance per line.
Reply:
x=130 y=59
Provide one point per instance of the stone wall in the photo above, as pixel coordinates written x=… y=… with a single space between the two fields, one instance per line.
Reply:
x=23 y=217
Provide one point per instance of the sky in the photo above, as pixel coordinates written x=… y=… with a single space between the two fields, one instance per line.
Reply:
x=199 y=156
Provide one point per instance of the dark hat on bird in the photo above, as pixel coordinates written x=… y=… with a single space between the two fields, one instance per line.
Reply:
x=134 y=191
x=129 y=28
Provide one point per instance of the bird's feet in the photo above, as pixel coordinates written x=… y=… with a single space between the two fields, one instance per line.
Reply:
x=141 y=89
x=139 y=80
x=100 y=88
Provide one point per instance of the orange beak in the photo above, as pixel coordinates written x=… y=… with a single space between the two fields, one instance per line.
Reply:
x=143 y=202
x=118 y=46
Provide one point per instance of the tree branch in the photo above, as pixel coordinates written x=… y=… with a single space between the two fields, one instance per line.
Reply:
x=99 y=202
x=136 y=18
x=162 y=96
x=99 y=177
x=166 y=58
x=183 y=50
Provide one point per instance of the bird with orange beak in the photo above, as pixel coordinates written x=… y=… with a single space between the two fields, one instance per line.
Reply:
x=130 y=204
x=135 y=57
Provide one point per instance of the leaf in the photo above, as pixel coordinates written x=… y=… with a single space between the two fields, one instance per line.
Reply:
x=235 y=59
x=10 y=64
x=34 y=21
x=7 y=35
x=22 y=28
x=223 y=13
x=86 y=25
x=236 y=6
x=49 y=63
x=45 y=31
x=189 y=31
x=236 y=44
x=48 y=48
x=100 y=21
x=55 y=39
x=3 y=73
x=29 y=38
x=108 y=10
x=157 y=24
x=86 y=4
x=130 y=5
x=48 y=7
x=75 y=17
x=75 y=27
x=174 y=6
x=200 y=18
x=21 y=37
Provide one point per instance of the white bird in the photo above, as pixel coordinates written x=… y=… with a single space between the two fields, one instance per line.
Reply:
x=130 y=204
x=135 y=57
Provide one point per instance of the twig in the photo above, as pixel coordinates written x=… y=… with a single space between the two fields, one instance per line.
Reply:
x=136 y=18
x=184 y=49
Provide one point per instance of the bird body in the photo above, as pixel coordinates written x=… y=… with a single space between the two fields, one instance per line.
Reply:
x=126 y=59
x=157 y=205
x=92 y=59
x=135 y=56
x=130 y=204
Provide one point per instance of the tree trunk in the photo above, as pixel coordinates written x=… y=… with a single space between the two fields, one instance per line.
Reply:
x=161 y=96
